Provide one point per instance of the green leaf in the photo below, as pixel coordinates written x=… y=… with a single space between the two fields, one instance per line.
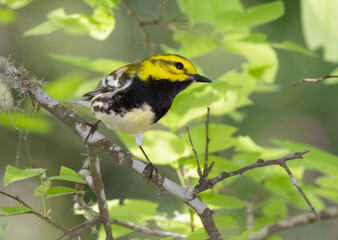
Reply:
x=59 y=191
x=287 y=45
x=220 y=135
x=263 y=62
x=221 y=201
x=198 y=234
x=15 y=4
x=206 y=11
x=316 y=159
x=101 y=65
x=319 y=20
x=13 y=174
x=99 y=25
x=254 y=16
x=43 y=28
x=107 y=5
x=162 y=147
x=193 y=45
x=243 y=236
x=16 y=210
x=7 y=16
x=262 y=14
x=68 y=174
x=42 y=189
x=36 y=124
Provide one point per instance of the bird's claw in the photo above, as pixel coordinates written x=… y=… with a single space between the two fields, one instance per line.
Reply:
x=149 y=170
x=93 y=128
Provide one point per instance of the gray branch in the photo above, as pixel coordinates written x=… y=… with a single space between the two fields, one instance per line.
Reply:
x=294 y=221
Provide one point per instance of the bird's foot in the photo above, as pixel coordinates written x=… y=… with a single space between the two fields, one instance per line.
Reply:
x=93 y=128
x=149 y=171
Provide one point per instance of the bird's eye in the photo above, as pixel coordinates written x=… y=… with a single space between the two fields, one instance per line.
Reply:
x=179 y=65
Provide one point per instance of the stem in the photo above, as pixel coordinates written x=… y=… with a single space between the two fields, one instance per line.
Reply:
x=181 y=177
x=44 y=201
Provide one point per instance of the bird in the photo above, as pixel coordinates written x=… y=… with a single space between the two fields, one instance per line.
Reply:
x=134 y=97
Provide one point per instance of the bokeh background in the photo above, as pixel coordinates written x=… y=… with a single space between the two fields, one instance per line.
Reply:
x=306 y=113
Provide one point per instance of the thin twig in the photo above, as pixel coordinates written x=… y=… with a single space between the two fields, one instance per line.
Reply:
x=314 y=80
x=147 y=230
x=207 y=169
x=295 y=182
x=250 y=207
x=199 y=171
x=294 y=221
x=145 y=33
x=78 y=230
x=98 y=189
x=18 y=149
x=159 y=18
x=44 y=218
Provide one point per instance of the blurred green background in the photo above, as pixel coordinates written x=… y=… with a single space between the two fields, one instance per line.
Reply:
x=306 y=113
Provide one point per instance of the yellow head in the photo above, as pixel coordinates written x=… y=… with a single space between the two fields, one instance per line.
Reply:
x=170 y=67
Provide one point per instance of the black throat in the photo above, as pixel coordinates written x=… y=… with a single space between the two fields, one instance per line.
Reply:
x=159 y=94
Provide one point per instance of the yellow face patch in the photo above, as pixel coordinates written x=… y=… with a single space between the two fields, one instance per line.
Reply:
x=167 y=66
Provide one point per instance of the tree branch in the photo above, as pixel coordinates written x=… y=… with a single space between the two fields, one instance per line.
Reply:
x=98 y=189
x=294 y=221
x=314 y=80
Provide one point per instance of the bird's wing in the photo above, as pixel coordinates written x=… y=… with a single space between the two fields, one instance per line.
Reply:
x=108 y=86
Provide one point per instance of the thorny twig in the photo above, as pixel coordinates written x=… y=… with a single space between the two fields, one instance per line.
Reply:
x=314 y=80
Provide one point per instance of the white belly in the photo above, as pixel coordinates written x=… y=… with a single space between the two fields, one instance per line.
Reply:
x=133 y=122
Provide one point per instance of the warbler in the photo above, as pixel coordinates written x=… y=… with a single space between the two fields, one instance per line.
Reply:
x=133 y=98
